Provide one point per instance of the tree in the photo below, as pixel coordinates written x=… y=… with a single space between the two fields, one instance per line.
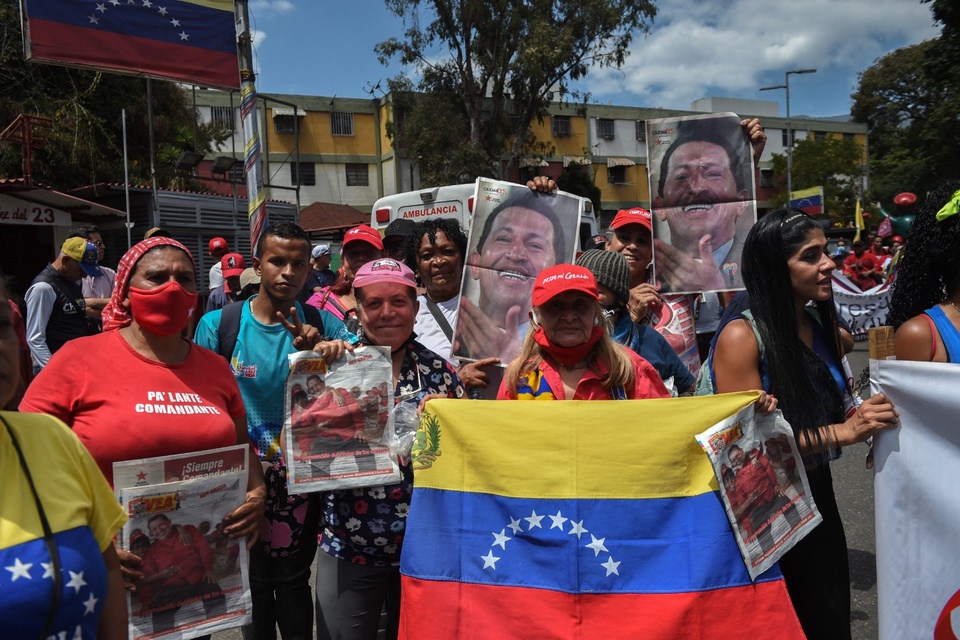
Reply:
x=834 y=164
x=85 y=144
x=500 y=63
x=911 y=113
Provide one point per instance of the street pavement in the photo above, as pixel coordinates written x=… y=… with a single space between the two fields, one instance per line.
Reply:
x=853 y=484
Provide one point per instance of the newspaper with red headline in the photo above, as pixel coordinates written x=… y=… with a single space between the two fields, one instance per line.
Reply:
x=336 y=421
x=763 y=485
x=196 y=578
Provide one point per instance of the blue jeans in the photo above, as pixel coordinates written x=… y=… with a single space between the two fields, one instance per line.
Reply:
x=280 y=590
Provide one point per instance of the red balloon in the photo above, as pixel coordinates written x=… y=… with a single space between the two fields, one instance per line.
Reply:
x=904 y=199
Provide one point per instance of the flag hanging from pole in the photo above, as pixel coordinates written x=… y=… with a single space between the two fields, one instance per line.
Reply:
x=574 y=520
x=193 y=41
x=810 y=201
x=858 y=222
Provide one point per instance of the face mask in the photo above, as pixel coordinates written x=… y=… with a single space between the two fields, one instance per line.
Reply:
x=165 y=310
x=568 y=355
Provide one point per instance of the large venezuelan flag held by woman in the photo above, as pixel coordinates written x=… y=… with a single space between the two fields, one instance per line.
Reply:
x=577 y=520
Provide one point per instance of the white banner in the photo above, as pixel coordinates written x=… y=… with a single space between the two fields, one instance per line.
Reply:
x=862 y=310
x=917 y=504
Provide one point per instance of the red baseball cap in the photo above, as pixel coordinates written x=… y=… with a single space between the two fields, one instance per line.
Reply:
x=560 y=278
x=363 y=233
x=232 y=264
x=637 y=215
x=384 y=270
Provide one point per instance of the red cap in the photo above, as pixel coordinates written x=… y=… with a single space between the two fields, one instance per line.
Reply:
x=896 y=239
x=218 y=246
x=384 y=270
x=637 y=215
x=232 y=264
x=363 y=233
x=560 y=278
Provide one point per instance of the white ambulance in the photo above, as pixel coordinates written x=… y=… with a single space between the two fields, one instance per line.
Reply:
x=454 y=201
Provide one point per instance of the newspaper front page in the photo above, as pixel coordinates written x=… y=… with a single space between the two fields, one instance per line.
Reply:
x=762 y=484
x=196 y=579
x=336 y=419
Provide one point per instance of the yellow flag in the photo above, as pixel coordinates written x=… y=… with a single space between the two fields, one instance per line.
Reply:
x=858 y=222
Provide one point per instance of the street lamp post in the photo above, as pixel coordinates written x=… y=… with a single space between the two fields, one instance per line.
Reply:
x=786 y=87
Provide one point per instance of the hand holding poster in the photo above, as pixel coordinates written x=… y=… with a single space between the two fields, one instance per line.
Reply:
x=515 y=233
x=195 y=578
x=336 y=419
x=704 y=198
x=763 y=484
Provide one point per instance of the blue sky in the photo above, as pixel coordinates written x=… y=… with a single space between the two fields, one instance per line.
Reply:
x=319 y=47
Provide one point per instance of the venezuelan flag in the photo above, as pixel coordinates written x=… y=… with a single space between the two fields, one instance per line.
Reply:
x=575 y=520
x=810 y=201
x=192 y=41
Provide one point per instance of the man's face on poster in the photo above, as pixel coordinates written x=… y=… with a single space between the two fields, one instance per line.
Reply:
x=700 y=195
x=520 y=245
x=160 y=528
x=736 y=457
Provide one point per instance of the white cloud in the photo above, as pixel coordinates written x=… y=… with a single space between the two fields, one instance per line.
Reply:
x=732 y=47
x=271 y=6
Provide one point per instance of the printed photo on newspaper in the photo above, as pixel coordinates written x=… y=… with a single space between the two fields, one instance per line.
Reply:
x=762 y=484
x=335 y=421
x=196 y=579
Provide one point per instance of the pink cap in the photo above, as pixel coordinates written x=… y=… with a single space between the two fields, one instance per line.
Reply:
x=637 y=215
x=384 y=270
x=363 y=233
x=561 y=278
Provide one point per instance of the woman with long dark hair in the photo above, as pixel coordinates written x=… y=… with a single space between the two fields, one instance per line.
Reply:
x=925 y=309
x=785 y=269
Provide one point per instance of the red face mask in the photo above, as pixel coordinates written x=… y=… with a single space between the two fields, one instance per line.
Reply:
x=568 y=355
x=165 y=310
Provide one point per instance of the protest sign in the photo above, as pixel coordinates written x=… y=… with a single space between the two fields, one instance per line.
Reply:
x=336 y=419
x=862 y=310
x=917 y=508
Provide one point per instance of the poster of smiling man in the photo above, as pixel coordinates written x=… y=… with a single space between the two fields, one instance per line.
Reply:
x=704 y=199
x=515 y=234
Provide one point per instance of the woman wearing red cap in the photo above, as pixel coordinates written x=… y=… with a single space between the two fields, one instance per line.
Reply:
x=568 y=353
x=360 y=245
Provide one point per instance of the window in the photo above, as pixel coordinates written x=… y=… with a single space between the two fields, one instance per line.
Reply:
x=341 y=124
x=848 y=137
x=605 y=128
x=819 y=136
x=358 y=175
x=783 y=137
x=616 y=175
x=766 y=177
x=307 y=172
x=641 y=130
x=561 y=126
x=236 y=174
x=223 y=117
x=284 y=124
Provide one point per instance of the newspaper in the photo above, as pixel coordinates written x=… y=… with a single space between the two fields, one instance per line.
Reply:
x=196 y=579
x=763 y=485
x=335 y=421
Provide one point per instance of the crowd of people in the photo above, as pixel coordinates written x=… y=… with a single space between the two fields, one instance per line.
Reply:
x=580 y=331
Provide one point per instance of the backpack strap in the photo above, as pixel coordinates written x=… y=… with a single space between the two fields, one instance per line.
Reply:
x=440 y=318
x=229 y=328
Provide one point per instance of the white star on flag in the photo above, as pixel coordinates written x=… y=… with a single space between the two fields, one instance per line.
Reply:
x=515 y=525
x=184 y=36
x=102 y=8
x=596 y=545
x=175 y=22
x=76 y=581
x=47 y=569
x=94 y=19
x=147 y=3
x=489 y=560
x=558 y=521
x=91 y=603
x=534 y=521
x=162 y=11
x=576 y=528
x=500 y=539
x=20 y=570
x=611 y=566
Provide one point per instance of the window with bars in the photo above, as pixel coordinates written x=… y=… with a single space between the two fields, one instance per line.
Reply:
x=641 y=130
x=307 y=172
x=358 y=175
x=560 y=126
x=766 y=177
x=848 y=137
x=341 y=123
x=223 y=117
x=605 y=128
x=819 y=136
x=284 y=124
x=616 y=175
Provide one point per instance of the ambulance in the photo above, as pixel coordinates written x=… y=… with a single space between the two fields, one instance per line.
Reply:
x=454 y=201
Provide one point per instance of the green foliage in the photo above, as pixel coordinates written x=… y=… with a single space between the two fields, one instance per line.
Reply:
x=85 y=144
x=492 y=66
x=910 y=100
x=830 y=163
x=577 y=180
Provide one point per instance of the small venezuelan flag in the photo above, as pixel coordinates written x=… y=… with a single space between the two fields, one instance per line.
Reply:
x=575 y=520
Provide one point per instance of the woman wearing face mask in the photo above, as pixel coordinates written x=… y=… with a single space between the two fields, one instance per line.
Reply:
x=568 y=353
x=117 y=389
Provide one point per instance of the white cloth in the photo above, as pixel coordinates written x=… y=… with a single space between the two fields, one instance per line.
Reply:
x=216 y=276
x=428 y=330
x=100 y=286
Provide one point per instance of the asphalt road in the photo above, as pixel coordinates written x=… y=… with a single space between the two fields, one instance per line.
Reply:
x=853 y=485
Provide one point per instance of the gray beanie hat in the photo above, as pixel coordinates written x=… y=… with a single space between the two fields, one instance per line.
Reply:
x=610 y=269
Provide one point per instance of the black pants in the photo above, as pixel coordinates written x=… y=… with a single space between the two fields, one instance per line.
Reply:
x=817 y=571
